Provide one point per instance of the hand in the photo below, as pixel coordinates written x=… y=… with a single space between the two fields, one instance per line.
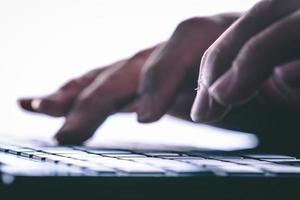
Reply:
x=258 y=56
x=152 y=82
x=87 y=101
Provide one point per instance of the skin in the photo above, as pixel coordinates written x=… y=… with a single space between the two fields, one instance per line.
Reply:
x=253 y=69
x=248 y=79
x=262 y=44
x=125 y=86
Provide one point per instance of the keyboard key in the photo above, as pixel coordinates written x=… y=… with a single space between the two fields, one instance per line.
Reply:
x=8 y=159
x=284 y=161
x=93 y=166
x=55 y=158
x=125 y=155
x=268 y=156
x=281 y=169
x=183 y=158
x=45 y=169
x=240 y=170
x=82 y=156
x=162 y=154
x=101 y=151
x=26 y=154
x=215 y=155
x=172 y=165
x=19 y=150
x=27 y=171
x=22 y=166
x=129 y=166
x=209 y=163
x=6 y=147
x=60 y=150
x=245 y=161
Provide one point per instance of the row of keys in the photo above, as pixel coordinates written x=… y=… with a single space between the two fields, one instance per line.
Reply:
x=108 y=162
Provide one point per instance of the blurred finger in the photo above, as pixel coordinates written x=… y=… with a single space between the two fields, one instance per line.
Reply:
x=286 y=83
x=289 y=74
x=168 y=67
x=108 y=93
x=60 y=102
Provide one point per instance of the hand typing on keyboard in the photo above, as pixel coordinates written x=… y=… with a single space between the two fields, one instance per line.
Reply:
x=239 y=66
x=88 y=100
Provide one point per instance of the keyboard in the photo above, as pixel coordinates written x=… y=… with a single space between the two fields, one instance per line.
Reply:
x=31 y=160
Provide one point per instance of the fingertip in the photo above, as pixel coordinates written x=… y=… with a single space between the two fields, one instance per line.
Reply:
x=25 y=104
x=194 y=117
x=147 y=118
x=206 y=109
x=30 y=104
x=48 y=106
x=146 y=113
x=65 y=137
x=225 y=89
x=200 y=106
x=144 y=117
x=220 y=95
x=72 y=133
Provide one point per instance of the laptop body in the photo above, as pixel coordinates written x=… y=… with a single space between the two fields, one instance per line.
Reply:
x=38 y=171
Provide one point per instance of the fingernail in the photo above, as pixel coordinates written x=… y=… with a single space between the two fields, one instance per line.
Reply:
x=222 y=89
x=201 y=105
x=145 y=109
x=36 y=104
x=206 y=109
x=26 y=104
x=216 y=111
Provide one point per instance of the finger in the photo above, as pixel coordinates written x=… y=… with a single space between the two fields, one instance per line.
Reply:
x=182 y=104
x=132 y=107
x=166 y=70
x=108 y=93
x=288 y=74
x=60 y=102
x=283 y=88
x=254 y=64
x=219 y=57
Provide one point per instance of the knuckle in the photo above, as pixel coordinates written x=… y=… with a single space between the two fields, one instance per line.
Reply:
x=144 y=53
x=246 y=56
x=98 y=94
x=74 y=83
x=46 y=103
x=88 y=99
x=192 y=22
x=212 y=55
x=212 y=64
x=275 y=6
x=92 y=74
x=249 y=51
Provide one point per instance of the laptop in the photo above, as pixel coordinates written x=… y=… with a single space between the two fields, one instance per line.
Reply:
x=36 y=170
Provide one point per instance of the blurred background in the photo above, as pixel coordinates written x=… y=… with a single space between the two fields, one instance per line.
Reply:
x=44 y=43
